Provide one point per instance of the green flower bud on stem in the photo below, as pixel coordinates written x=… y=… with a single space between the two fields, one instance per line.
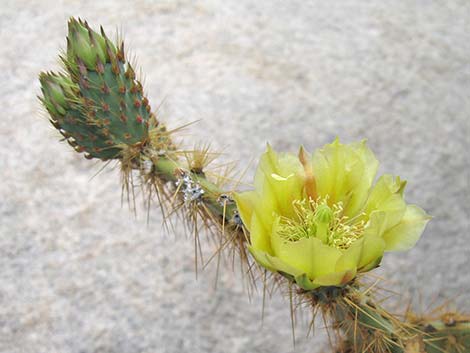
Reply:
x=57 y=90
x=85 y=44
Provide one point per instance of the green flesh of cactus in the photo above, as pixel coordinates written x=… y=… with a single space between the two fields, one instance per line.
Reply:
x=98 y=105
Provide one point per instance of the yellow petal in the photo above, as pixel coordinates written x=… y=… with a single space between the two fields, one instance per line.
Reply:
x=387 y=196
x=261 y=258
x=365 y=174
x=278 y=179
x=323 y=173
x=268 y=164
x=310 y=256
x=344 y=173
x=271 y=162
x=257 y=215
x=286 y=190
x=276 y=239
x=350 y=258
x=371 y=265
x=260 y=234
x=361 y=253
x=405 y=234
x=368 y=158
x=288 y=164
x=245 y=205
x=273 y=263
x=372 y=251
x=377 y=224
x=266 y=205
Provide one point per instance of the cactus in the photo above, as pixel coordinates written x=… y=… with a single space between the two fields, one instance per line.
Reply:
x=98 y=105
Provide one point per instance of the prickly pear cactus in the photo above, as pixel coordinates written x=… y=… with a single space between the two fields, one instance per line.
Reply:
x=99 y=106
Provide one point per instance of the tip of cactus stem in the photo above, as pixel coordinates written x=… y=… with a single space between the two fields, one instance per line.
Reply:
x=98 y=97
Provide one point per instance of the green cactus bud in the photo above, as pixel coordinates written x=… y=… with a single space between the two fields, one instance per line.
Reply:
x=78 y=46
x=98 y=43
x=55 y=89
x=84 y=44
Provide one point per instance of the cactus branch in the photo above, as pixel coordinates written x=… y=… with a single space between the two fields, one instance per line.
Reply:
x=99 y=107
x=365 y=326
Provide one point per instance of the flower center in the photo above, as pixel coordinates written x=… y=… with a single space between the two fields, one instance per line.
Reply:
x=315 y=218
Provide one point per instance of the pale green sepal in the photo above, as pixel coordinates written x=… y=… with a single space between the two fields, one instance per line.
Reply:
x=337 y=279
x=305 y=283
x=371 y=265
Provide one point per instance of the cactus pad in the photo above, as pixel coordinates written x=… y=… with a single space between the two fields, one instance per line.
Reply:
x=98 y=104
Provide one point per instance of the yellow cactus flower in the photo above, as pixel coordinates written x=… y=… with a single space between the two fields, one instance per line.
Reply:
x=319 y=220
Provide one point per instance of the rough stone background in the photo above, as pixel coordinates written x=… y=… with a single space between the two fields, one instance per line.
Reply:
x=79 y=273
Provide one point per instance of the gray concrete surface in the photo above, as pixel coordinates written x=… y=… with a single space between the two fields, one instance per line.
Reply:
x=78 y=273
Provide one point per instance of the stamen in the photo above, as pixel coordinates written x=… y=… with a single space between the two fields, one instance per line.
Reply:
x=314 y=218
